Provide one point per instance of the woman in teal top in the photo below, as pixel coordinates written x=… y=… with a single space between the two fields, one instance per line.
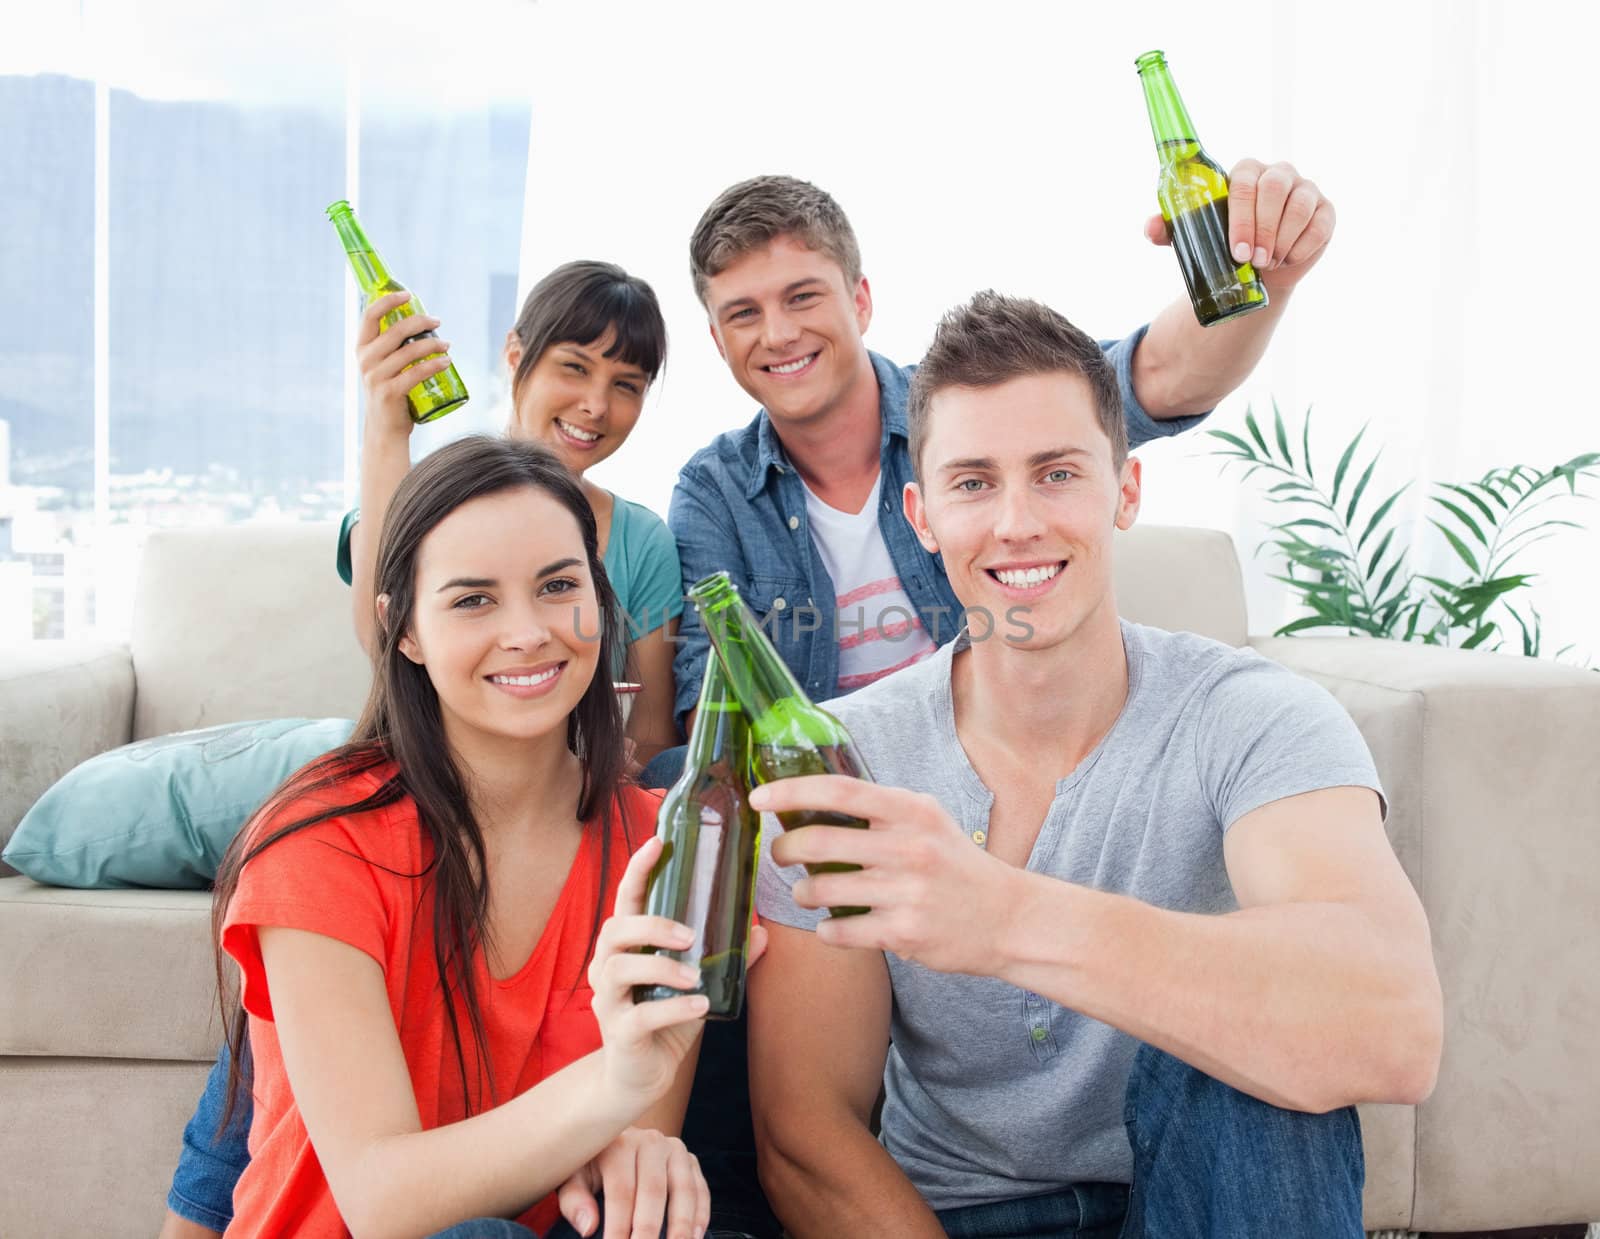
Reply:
x=589 y=341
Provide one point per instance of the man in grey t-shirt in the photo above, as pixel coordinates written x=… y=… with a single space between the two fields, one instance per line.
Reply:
x=1134 y=917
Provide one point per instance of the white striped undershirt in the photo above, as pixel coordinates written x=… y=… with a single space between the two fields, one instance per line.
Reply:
x=878 y=629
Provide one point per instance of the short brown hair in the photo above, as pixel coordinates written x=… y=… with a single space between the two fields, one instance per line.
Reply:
x=993 y=339
x=754 y=213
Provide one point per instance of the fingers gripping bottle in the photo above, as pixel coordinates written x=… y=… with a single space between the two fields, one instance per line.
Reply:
x=710 y=838
x=437 y=394
x=1193 y=192
x=789 y=734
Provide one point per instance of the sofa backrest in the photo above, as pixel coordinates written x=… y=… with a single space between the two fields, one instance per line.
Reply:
x=1182 y=579
x=242 y=622
x=251 y=621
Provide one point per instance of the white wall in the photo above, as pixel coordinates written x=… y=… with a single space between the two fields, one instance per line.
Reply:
x=1007 y=146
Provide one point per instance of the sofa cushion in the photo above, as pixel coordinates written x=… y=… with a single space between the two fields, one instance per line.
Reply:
x=161 y=812
x=1184 y=580
x=60 y=703
x=248 y=622
x=107 y=974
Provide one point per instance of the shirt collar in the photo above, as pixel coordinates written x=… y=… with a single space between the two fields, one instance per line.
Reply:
x=894 y=385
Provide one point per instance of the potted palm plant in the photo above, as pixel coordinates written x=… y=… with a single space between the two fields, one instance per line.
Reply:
x=1344 y=558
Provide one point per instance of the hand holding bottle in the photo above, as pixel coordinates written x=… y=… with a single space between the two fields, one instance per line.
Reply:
x=431 y=386
x=395 y=360
x=644 y=1042
x=1280 y=222
x=931 y=895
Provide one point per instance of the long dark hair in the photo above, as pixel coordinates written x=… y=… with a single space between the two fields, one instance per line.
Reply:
x=402 y=723
x=581 y=301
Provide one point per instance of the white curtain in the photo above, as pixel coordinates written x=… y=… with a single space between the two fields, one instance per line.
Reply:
x=1001 y=146
x=1007 y=146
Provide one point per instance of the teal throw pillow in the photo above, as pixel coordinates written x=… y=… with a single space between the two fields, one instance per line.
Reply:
x=160 y=812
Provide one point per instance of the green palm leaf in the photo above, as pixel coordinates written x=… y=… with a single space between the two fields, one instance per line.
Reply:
x=1355 y=499
x=1283 y=437
x=1255 y=431
x=1383 y=586
x=1458 y=544
x=1383 y=511
x=1462 y=517
x=1235 y=440
x=1299 y=625
x=1344 y=463
x=1377 y=556
x=1492 y=493
x=1488 y=512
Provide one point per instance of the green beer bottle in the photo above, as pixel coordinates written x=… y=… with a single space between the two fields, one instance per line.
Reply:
x=710 y=839
x=1193 y=193
x=437 y=394
x=789 y=735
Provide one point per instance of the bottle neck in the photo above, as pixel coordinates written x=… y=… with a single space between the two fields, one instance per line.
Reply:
x=371 y=273
x=1169 y=119
x=718 y=735
x=758 y=677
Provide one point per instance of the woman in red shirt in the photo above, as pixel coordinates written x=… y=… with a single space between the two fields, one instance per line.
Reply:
x=439 y=1013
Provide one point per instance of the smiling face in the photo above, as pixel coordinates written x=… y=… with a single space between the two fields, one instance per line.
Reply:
x=577 y=401
x=506 y=621
x=789 y=325
x=1021 y=496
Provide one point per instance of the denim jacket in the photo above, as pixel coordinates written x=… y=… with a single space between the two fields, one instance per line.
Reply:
x=740 y=507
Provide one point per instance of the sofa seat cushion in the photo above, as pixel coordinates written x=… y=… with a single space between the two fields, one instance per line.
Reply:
x=107 y=974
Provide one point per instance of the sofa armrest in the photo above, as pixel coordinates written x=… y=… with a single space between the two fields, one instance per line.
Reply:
x=1491 y=770
x=61 y=702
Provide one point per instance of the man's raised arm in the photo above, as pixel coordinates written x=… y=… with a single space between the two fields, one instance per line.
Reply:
x=819 y=1035
x=1281 y=223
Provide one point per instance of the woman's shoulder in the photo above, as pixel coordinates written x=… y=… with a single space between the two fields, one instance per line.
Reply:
x=353 y=804
x=639 y=525
x=642 y=561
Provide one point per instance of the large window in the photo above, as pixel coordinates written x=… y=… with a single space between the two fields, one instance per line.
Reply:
x=187 y=361
x=46 y=350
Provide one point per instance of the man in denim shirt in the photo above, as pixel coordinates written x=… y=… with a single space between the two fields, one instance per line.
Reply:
x=802 y=507
x=781 y=504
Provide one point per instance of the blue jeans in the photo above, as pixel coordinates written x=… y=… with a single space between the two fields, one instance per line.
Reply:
x=716 y=1128
x=663 y=769
x=209 y=1166
x=1209 y=1162
x=499 y=1228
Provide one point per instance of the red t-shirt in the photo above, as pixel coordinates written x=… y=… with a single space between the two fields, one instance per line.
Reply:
x=331 y=879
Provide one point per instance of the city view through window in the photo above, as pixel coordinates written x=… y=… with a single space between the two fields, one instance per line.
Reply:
x=222 y=345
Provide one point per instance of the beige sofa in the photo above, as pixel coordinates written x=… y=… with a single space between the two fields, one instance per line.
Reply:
x=107 y=1021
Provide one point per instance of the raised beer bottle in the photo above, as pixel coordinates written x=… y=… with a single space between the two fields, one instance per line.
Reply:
x=437 y=394
x=1193 y=192
x=789 y=734
x=710 y=837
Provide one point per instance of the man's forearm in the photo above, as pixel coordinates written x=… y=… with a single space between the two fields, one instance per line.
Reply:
x=1181 y=368
x=840 y=1181
x=1309 y=1006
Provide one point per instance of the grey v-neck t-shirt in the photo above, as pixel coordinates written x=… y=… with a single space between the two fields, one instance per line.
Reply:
x=993 y=1092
